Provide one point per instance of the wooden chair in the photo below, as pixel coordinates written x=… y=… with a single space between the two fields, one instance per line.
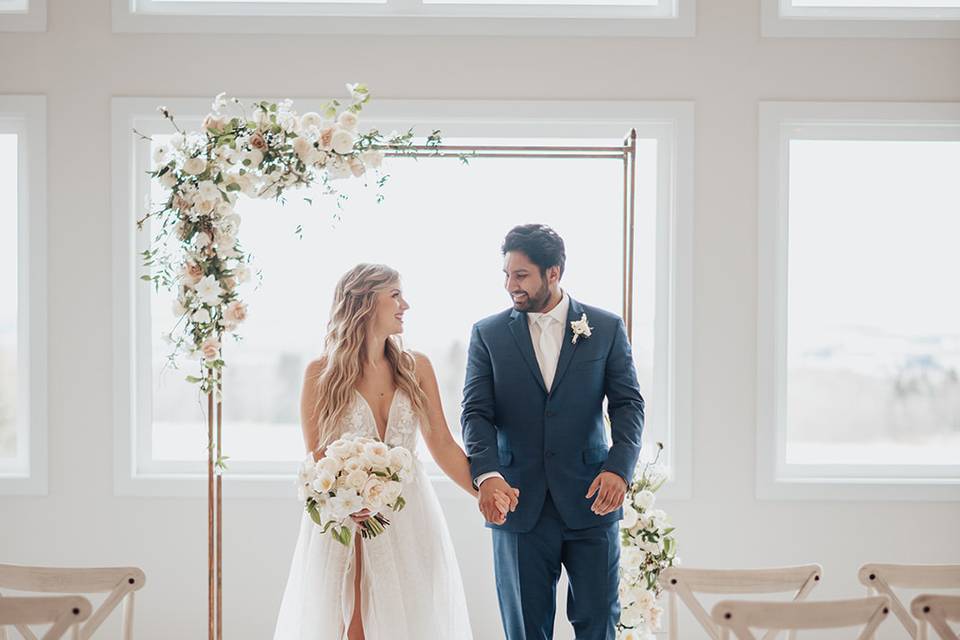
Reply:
x=119 y=583
x=883 y=578
x=740 y=616
x=63 y=612
x=683 y=582
x=937 y=611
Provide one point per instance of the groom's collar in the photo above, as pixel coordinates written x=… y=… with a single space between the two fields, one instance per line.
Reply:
x=558 y=313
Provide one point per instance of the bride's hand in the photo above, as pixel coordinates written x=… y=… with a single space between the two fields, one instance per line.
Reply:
x=502 y=501
x=360 y=516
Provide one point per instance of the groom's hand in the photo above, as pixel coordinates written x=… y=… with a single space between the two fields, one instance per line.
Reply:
x=610 y=489
x=490 y=489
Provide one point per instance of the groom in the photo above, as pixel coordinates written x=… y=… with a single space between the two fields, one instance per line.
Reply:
x=537 y=375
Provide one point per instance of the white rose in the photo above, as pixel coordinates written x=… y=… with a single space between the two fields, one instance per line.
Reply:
x=178 y=140
x=351 y=501
x=208 y=190
x=372 y=159
x=195 y=166
x=169 y=179
x=399 y=459
x=350 y=462
x=646 y=599
x=323 y=482
x=631 y=615
x=229 y=225
x=348 y=120
x=310 y=119
x=356 y=167
x=288 y=122
x=644 y=500
x=209 y=291
x=342 y=141
x=339 y=449
x=338 y=169
x=161 y=154
x=375 y=454
x=629 y=517
x=307 y=471
x=303 y=148
x=391 y=491
x=201 y=315
x=329 y=464
x=373 y=494
x=202 y=240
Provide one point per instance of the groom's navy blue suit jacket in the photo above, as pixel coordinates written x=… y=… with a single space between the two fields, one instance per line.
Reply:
x=554 y=441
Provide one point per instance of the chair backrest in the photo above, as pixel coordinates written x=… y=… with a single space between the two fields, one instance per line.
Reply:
x=937 y=611
x=684 y=582
x=883 y=578
x=62 y=612
x=740 y=616
x=119 y=583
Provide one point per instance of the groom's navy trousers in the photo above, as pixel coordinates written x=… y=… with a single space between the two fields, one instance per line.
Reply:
x=551 y=444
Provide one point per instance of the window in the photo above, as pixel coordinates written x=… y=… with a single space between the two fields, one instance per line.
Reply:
x=451 y=279
x=23 y=289
x=867 y=18
x=659 y=18
x=859 y=347
x=23 y=15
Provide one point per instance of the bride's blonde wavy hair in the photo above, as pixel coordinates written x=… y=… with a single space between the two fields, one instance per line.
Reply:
x=354 y=302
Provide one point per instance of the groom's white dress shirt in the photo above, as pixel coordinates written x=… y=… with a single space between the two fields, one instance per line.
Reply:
x=546 y=333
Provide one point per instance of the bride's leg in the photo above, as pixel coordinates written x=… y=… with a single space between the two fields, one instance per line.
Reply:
x=355 y=632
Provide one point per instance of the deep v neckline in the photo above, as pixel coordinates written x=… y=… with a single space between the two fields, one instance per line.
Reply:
x=373 y=414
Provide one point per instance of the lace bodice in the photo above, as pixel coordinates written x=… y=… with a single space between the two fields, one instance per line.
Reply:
x=403 y=423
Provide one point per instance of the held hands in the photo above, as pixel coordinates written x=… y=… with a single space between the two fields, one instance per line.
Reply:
x=496 y=499
x=610 y=489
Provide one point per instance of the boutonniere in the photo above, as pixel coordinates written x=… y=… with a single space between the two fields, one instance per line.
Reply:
x=580 y=328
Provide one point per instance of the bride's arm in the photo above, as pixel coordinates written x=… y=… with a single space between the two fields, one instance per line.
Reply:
x=308 y=408
x=444 y=449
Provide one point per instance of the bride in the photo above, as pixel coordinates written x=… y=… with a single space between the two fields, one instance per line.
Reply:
x=405 y=583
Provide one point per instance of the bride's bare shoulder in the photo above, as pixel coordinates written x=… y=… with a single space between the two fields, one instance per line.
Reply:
x=315 y=367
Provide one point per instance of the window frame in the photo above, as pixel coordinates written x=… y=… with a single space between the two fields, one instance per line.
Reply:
x=670 y=122
x=31 y=18
x=25 y=115
x=779 y=123
x=669 y=18
x=780 y=19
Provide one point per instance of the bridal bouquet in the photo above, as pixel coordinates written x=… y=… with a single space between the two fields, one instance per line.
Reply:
x=648 y=547
x=355 y=474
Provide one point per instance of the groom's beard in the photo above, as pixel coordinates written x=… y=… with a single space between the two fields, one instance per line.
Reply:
x=535 y=302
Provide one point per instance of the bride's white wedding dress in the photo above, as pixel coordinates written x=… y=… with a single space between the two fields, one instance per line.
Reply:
x=410 y=583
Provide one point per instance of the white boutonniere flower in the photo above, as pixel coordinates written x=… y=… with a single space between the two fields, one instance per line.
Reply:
x=580 y=328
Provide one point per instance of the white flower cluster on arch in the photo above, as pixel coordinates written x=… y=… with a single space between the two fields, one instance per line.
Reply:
x=195 y=250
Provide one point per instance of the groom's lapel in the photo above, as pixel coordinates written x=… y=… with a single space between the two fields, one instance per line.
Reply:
x=567 y=348
x=521 y=333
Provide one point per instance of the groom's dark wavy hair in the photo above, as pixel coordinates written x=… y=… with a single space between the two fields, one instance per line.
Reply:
x=540 y=243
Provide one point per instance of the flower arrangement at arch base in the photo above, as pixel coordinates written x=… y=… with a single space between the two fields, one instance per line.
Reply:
x=647 y=548
x=261 y=153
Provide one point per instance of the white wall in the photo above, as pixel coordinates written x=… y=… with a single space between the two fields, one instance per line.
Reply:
x=79 y=64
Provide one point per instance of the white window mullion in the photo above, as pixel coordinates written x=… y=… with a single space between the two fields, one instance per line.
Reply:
x=24 y=470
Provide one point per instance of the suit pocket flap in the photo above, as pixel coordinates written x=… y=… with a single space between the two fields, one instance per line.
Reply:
x=506 y=457
x=595 y=455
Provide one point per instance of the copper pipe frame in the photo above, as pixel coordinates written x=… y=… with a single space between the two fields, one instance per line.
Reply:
x=626 y=153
